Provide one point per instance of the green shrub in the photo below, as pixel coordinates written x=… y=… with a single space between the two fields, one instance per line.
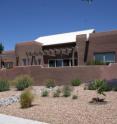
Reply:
x=57 y=93
x=91 y=86
x=23 y=82
x=94 y=62
x=50 y=83
x=4 y=85
x=45 y=93
x=105 y=86
x=66 y=91
x=100 y=85
x=26 y=99
x=74 y=97
x=76 y=82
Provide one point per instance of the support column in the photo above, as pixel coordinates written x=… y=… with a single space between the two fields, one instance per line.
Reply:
x=42 y=58
x=42 y=61
x=17 y=61
x=81 y=43
x=73 y=57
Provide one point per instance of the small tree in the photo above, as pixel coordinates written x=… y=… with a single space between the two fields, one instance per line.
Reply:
x=1 y=48
x=100 y=88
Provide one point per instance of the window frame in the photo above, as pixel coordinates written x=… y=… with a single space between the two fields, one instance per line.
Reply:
x=104 y=56
x=70 y=62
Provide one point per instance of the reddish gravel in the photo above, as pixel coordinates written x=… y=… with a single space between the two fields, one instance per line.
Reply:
x=67 y=111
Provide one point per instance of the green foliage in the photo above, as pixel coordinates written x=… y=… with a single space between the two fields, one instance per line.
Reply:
x=74 y=97
x=76 y=82
x=23 y=82
x=45 y=93
x=1 y=48
x=103 y=83
x=99 y=85
x=50 y=83
x=4 y=85
x=91 y=86
x=57 y=93
x=94 y=62
x=26 y=99
x=66 y=91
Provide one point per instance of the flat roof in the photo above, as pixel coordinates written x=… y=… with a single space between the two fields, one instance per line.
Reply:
x=63 y=38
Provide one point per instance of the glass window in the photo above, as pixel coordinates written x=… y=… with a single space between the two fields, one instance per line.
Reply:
x=99 y=57
x=52 y=63
x=66 y=62
x=105 y=57
x=110 y=57
x=59 y=63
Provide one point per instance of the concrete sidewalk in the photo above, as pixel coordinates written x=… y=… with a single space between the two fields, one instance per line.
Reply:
x=6 y=119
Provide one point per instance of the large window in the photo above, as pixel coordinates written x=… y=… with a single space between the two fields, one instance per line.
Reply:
x=108 y=57
x=66 y=62
x=8 y=64
x=61 y=62
x=52 y=63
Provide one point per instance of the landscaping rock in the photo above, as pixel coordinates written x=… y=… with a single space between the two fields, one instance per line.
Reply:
x=9 y=100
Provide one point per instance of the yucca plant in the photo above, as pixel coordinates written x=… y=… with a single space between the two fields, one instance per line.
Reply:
x=66 y=91
x=4 y=85
x=76 y=82
x=23 y=82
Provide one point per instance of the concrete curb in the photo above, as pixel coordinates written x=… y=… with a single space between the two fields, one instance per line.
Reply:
x=6 y=119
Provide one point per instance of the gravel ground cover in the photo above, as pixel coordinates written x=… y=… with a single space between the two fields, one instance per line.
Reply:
x=66 y=110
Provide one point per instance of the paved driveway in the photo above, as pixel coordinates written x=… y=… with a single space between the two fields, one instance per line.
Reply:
x=5 y=119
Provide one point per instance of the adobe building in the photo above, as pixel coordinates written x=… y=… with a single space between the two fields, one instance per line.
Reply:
x=67 y=49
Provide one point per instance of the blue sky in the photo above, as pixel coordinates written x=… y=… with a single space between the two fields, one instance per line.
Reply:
x=25 y=20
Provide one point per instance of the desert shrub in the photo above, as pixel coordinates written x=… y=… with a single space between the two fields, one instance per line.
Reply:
x=66 y=91
x=94 y=62
x=26 y=98
x=4 y=85
x=103 y=83
x=74 y=97
x=100 y=85
x=23 y=82
x=50 y=83
x=45 y=93
x=106 y=87
x=57 y=93
x=76 y=82
x=91 y=86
